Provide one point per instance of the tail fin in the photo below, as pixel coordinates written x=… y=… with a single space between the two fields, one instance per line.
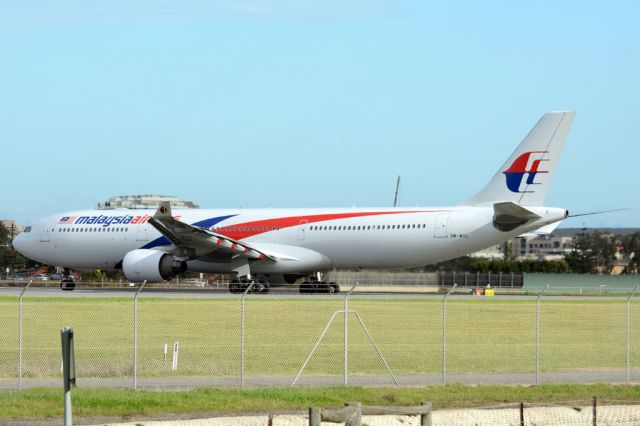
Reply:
x=526 y=176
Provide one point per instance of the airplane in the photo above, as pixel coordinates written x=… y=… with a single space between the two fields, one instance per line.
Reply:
x=283 y=246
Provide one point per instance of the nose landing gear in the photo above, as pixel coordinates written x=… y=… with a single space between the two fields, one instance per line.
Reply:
x=67 y=282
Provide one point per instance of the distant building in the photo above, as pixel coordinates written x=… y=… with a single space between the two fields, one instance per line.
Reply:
x=11 y=226
x=493 y=252
x=543 y=247
x=144 y=202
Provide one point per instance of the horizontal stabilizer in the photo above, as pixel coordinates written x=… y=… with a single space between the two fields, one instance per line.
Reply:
x=545 y=230
x=508 y=216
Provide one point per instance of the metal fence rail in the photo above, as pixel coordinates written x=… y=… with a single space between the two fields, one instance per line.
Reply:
x=149 y=340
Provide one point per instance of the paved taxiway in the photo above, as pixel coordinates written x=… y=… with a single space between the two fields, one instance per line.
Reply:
x=291 y=292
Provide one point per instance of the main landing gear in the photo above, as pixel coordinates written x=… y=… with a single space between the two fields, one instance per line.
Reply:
x=67 y=282
x=319 y=287
x=259 y=286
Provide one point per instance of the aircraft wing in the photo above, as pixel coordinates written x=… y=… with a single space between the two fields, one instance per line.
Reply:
x=192 y=242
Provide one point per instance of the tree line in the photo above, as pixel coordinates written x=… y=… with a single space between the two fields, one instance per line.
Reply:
x=591 y=253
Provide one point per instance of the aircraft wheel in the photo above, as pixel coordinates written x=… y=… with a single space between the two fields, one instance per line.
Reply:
x=259 y=286
x=67 y=285
x=324 y=288
x=335 y=288
x=234 y=287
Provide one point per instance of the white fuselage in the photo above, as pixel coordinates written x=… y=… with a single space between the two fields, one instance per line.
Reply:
x=304 y=240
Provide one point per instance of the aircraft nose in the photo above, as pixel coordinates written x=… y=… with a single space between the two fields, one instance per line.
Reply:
x=20 y=244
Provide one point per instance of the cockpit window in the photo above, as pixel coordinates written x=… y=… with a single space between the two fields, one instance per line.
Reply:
x=27 y=229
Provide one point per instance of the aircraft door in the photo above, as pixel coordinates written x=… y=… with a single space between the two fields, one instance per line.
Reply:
x=44 y=233
x=441 y=228
x=302 y=228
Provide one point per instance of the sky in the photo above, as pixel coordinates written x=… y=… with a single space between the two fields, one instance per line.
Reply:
x=312 y=103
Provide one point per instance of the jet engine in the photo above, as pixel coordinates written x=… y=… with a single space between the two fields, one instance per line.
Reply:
x=151 y=265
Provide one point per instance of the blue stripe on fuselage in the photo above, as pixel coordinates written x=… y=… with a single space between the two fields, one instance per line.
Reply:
x=207 y=223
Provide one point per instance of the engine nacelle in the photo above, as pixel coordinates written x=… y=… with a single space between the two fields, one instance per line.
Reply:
x=151 y=265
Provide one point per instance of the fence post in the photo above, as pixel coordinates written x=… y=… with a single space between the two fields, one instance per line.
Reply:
x=444 y=334
x=538 y=334
x=426 y=419
x=346 y=334
x=68 y=370
x=20 y=335
x=135 y=335
x=242 y=333
x=315 y=418
x=629 y=333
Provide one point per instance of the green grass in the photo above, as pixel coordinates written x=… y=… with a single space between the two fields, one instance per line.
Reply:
x=483 y=335
x=43 y=403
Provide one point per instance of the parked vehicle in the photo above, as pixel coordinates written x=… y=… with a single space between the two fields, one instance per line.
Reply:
x=193 y=281
x=40 y=277
x=19 y=277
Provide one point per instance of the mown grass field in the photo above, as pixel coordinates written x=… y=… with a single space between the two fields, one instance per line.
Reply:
x=119 y=404
x=482 y=335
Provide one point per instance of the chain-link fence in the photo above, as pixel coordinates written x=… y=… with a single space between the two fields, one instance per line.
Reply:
x=160 y=340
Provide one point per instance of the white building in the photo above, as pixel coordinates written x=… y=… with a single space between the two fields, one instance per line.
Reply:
x=493 y=252
x=146 y=201
x=544 y=247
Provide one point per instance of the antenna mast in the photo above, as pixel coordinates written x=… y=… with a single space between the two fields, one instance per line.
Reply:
x=395 y=199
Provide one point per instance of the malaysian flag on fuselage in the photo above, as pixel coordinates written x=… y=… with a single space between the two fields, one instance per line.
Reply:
x=67 y=220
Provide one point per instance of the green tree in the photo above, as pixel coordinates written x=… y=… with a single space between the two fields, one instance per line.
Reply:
x=631 y=250
x=9 y=257
x=477 y=264
x=5 y=251
x=592 y=253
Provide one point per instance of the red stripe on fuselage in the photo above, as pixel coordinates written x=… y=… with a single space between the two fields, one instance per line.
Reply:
x=239 y=231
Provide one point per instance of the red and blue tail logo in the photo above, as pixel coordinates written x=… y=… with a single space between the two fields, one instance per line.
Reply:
x=515 y=173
